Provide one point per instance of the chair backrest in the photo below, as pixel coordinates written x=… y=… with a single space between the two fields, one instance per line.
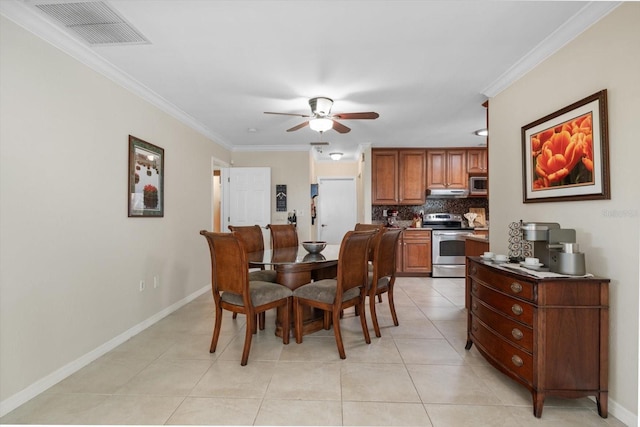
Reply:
x=353 y=260
x=283 y=235
x=367 y=227
x=251 y=236
x=384 y=254
x=229 y=272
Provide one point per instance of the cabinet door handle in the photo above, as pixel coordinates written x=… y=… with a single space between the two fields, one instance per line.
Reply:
x=516 y=309
x=516 y=287
x=517 y=333
x=517 y=361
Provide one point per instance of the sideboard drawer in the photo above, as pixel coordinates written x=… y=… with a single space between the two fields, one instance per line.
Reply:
x=511 y=358
x=511 y=307
x=515 y=332
x=510 y=286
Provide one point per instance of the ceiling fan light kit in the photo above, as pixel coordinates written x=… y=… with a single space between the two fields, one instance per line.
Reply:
x=321 y=124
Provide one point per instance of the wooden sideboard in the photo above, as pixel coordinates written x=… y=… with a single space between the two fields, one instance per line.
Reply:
x=551 y=335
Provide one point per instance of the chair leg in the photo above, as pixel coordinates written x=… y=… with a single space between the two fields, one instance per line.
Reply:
x=363 y=321
x=297 y=317
x=286 y=322
x=374 y=316
x=251 y=324
x=326 y=320
x=216 y=330
x=379 y=297
x=392 y=306
x=235 y=315
x=261 y=321
x=338 y=334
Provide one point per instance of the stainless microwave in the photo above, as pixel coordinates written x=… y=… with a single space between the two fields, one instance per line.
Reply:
x=478 y=185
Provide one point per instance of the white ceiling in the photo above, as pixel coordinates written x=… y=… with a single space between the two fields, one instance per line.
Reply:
x=425 y=66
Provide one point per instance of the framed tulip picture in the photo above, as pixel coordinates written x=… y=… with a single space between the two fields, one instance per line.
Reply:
x=146 y=179
x=565 y=155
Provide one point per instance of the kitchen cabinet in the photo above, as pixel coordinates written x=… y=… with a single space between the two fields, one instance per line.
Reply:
x=398 y=177
x=413 y=256
x=477 y=161
x=447 y=169
x=551 y=335
x=384 y=177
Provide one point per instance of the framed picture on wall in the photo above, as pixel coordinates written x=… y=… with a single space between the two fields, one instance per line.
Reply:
x=146 y=179
x=565 y=155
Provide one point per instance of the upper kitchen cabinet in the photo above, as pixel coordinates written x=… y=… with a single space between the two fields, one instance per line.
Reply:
x=477 y=161
x=447 y=169
x=398 y=177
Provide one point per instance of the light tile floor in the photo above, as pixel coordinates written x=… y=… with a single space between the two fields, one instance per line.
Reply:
x=417 y=374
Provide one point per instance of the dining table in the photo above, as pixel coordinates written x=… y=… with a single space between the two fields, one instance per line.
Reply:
x=294 y=267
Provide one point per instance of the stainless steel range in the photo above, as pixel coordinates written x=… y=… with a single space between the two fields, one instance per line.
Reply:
x=448 y=240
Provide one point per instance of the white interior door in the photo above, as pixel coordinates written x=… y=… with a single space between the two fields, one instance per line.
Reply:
x=246 y=197
x=337 y=208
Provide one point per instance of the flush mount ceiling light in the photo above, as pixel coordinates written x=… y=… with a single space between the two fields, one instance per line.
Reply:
x=482 y=132
x=335 y=156
x=321 y=124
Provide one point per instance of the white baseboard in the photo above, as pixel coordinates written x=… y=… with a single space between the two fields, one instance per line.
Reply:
x=624 y=415
x=50 y=380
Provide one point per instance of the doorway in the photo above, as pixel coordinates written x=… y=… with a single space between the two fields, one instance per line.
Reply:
x=337 y=208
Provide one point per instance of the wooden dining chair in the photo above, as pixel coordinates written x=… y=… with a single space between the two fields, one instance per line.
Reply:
x=346 y=290
x=233 y=291
x=383 y=276
x=366 y=227
x=283 y=235
x=251 y=236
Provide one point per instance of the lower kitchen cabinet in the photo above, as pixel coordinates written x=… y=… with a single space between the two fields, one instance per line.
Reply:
x=551 y=335
x=414 y=252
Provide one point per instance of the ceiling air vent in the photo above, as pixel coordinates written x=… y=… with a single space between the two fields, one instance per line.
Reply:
x=94 y=21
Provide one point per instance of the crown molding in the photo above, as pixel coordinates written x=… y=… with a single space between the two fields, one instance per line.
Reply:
x=29 y=19
x=585 y=18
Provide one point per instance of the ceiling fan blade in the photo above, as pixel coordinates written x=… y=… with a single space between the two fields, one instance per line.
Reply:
x=300 y=126
x=288 y=114
x=353 y=116
x=339 y=127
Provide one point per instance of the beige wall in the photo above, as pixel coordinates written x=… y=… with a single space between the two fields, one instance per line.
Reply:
x=604 y=57
x=71 y=258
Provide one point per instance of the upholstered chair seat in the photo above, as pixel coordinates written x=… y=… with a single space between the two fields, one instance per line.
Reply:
x=261 y=293
x=324 y=291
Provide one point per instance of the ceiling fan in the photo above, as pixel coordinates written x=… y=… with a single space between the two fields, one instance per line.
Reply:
x=321 y=119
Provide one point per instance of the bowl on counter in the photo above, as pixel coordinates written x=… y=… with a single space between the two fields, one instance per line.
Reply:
x=314 y=246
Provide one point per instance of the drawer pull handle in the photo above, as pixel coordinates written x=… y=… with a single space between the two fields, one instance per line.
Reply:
x=474 y=306
x=517 y=309
x=473 y=269
x=516 y=287
x=517 y=333
x=475 y=287
x=475 y=328
x=517 y=361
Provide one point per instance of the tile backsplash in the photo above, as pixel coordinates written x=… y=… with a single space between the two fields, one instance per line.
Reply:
x=456 y=206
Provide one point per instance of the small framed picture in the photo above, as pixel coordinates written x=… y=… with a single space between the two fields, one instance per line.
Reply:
x=146 y=179
x=565 y=155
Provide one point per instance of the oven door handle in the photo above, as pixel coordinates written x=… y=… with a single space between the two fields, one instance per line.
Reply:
x=458 y=236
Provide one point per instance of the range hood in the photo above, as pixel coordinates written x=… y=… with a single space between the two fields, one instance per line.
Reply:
x=447 y=194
